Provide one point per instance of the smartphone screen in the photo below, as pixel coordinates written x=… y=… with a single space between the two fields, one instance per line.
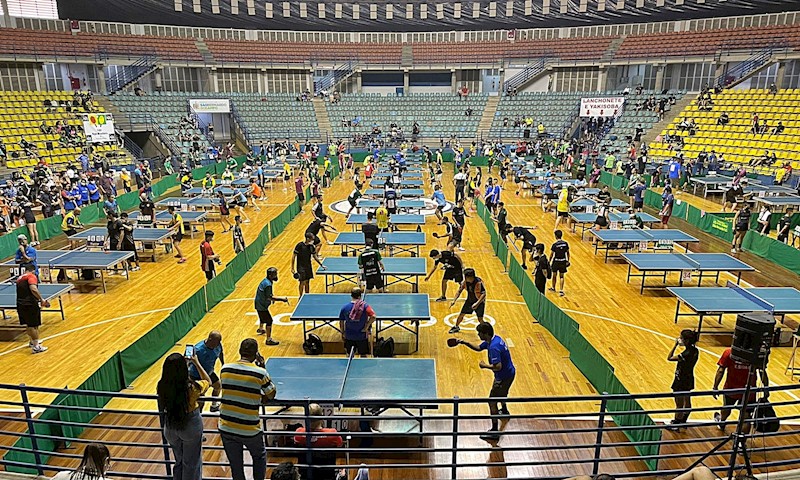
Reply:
x=189 y=352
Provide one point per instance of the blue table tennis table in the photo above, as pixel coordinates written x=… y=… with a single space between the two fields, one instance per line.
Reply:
x=356 y=219
x=406 y=192
x=391 y=310
x=591 y=203
x=226 y=191
x=401 y=242
x=733 y=300
x=403 y=183
x=188 y=203
x=412 y=206
x=80 y=260
x=624 y=240
x=661 y=264
x=779 y=203
x=327 y=380
x=406 y=175
x=401 y=269
x=586 y=220
x=191 y=219
x=150 y=238
x=49 y=291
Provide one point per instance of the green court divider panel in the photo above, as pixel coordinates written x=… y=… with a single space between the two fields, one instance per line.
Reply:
x=219 y=287
x=480 y=209
x=239 y=266
x=47 y=228
x=590 y=362
x=717 y=226
x=107 y=378
x=515 y=272
x=44 y=444
x=693 y=214
x=90 y=213
x=653 y=199
x=189 y=313
x=145 y=351
x=642 y=419
x=679 y=209
x=778 y=252
x=130 y=200
x=501 y=250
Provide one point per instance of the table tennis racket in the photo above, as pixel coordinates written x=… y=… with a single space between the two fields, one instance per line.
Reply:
x=435 y=234
x=452 y=342
x=46 y=304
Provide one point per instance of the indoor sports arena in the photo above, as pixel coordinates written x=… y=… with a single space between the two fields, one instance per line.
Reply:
x=418 y=240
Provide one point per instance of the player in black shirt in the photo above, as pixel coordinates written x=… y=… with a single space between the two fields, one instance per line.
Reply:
x=352 y=199
x=370 y=229
x=476 y=298
x=452 y=233
x=371 y=266
x=301 y=262
x=528 y=242
x=147 y=210
x=559 y=261
x=319 y=224
x=126 y=240
x=114 y=226
x=684 y=377
x=318 y=210
x=460 y=213
x=453 y=269
x=502 y=221
x=784 y=225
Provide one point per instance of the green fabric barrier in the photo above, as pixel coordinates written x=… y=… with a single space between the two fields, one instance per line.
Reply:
x=8 y=242
x=190 y=312
x=47 y=228
x=501 y=250
x=130 y=200
x=238 y=266
x=90 y=213
x=145 y=351
x=614 y=386
x=679 y=209
x=693 y=214
x=778 y=252
x=717 y=226
x=44 y=445
x=219 y=287
x=161 y=186
x=107 y=378
x=653 y=200
x=480 y=209
x=515 y=272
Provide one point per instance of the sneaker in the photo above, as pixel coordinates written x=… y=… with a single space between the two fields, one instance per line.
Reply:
x=136 y=269
x=561 y=293
x=330 y=243
x=38 y=349
x=177 y=256
x=441 y=299
x=491 y=436
x=673 y=426
x=524 y=267
x=271 y=343
x=182 y=260
x=552 y=289
x=454 y=329
x=214 y=407
x=733 y=250
x=720 y=423
x=462 y=248
x=261 y=331
x=247 y=221
x=503 y=412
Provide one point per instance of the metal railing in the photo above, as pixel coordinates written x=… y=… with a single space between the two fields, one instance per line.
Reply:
x=755 y=62
x=522 y=77
x=597 y=433
x=130 y=73
x=333 y=77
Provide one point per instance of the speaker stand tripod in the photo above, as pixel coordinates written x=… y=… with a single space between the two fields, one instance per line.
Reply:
x=738 y=438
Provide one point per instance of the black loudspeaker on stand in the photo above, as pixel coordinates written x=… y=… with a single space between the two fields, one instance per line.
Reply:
x=751 y=343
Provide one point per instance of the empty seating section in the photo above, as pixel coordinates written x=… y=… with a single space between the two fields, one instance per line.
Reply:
x=167 y=109
x=708 y=42
x=23 y=116
x=275 y=115
x=564 y=48
x=16 y=41
x=736 y=140
x=625 y=126
x=302 y=52
x=554 y=110
x=438 y=114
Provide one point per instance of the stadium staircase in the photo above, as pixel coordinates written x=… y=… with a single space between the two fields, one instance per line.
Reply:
x=407 y=56
x=488 y=116
x=204 y=51
x=129 y=74
x=528 y=74
x=746 y=69
x=736 y=140
x=334 y=77
x=323 y=120
x=121 y=120
x=611 y=51
x=650 y=135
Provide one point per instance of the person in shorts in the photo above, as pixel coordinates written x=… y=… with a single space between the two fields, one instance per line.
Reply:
x=452 y=265
x=737 y=375
x=559 y=261
x=264 y=298
x=176 y=223
x=29 y=306
x=208 y=258
x=208 y=351
x=126 y=241
x=355 y=323
x=476 y=298
x=301 y=262
x=371 y=266
x=528 y=242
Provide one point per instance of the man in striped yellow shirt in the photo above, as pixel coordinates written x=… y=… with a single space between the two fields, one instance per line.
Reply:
x=245 y=387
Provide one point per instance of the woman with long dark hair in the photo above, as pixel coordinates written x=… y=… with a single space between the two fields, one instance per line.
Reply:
x=180 y=414
x=94 y=465
x=684 y=377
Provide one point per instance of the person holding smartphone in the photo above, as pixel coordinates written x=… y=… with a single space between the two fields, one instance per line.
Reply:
x=179 y=411
x=684 y=377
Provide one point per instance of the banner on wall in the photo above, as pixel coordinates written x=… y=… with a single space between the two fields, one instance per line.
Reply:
x=601 y=106
x=210 y=105
x=99 y=127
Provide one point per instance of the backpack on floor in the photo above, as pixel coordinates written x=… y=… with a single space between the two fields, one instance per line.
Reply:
x=312 y=345
x=384 y=347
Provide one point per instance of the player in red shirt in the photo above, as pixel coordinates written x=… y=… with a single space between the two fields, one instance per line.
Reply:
x=737 y=376
x=209 y=258
x=321 y=441
x=29 y=306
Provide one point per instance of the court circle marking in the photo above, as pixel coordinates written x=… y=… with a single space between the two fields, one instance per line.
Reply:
x=429 y=322
x=469 y=322
x=342 y=206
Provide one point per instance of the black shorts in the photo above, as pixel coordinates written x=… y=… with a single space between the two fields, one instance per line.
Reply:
x=440 y=208
x=351 y=202
x=559 y=266
x=638 y=203
x=392 y=211
x=527 y=246
x=130 y=247
x=551 y=196
x=177 y=237
x=467 y=308
x=264 y=317
x=500 y=388
x=30 y=315
x=730 y=401
x=70 y=232
x=454 y=274
x=361 y=346
x=374 y=281
x=210 y=272
x=601 y=221
x=563 y=214
x=301 y=196
x=304 y=275
x=30 y=218
x=742 y=228
x=241 y=204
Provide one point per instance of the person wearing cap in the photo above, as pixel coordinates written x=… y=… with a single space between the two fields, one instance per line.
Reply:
x=29 y=306
x=264 y=298
x=246 y=386
x=26 y=254
x=208 y=257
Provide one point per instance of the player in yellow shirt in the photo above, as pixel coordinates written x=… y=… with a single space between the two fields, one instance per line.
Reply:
x=382 y=218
